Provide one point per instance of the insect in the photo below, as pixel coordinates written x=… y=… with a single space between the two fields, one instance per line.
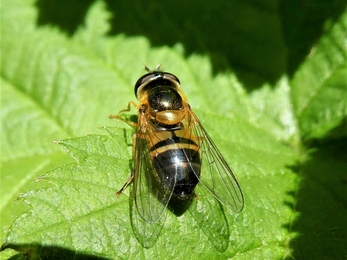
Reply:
x=172 y=154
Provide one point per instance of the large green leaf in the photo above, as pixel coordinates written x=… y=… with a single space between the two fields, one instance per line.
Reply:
x=285 y=139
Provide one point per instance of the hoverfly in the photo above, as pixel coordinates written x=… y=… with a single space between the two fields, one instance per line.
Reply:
x=173 y=154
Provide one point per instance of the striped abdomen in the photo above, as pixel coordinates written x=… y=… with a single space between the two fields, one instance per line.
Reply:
x=178 y=164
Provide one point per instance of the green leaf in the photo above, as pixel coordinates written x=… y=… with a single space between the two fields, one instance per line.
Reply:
x=283 y=131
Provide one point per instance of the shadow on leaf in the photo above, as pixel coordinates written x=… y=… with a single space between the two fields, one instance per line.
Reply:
x=259 y=41
x=37 y=251
x=321 y=201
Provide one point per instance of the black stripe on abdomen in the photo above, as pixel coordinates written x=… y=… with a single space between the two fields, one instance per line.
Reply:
x=172 y=140
x=178 y=170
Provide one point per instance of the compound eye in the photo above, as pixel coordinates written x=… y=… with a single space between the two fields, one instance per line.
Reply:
x=153 y=79
x=171 y=77
x=142 y=80
x=164 y=98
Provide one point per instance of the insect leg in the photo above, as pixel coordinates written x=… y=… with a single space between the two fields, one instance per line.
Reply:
x=125 y=110
x=132 y=174
x=126 y=184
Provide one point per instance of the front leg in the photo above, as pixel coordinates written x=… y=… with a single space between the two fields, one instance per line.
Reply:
x=131 y=103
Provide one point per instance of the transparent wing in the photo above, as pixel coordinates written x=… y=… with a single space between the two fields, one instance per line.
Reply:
x=146 y=233
x=150 y=200
x=209 y=214
x=216 y=176
x=147 y=208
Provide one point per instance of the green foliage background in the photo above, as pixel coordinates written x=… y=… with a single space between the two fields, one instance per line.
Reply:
x=268 y=79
